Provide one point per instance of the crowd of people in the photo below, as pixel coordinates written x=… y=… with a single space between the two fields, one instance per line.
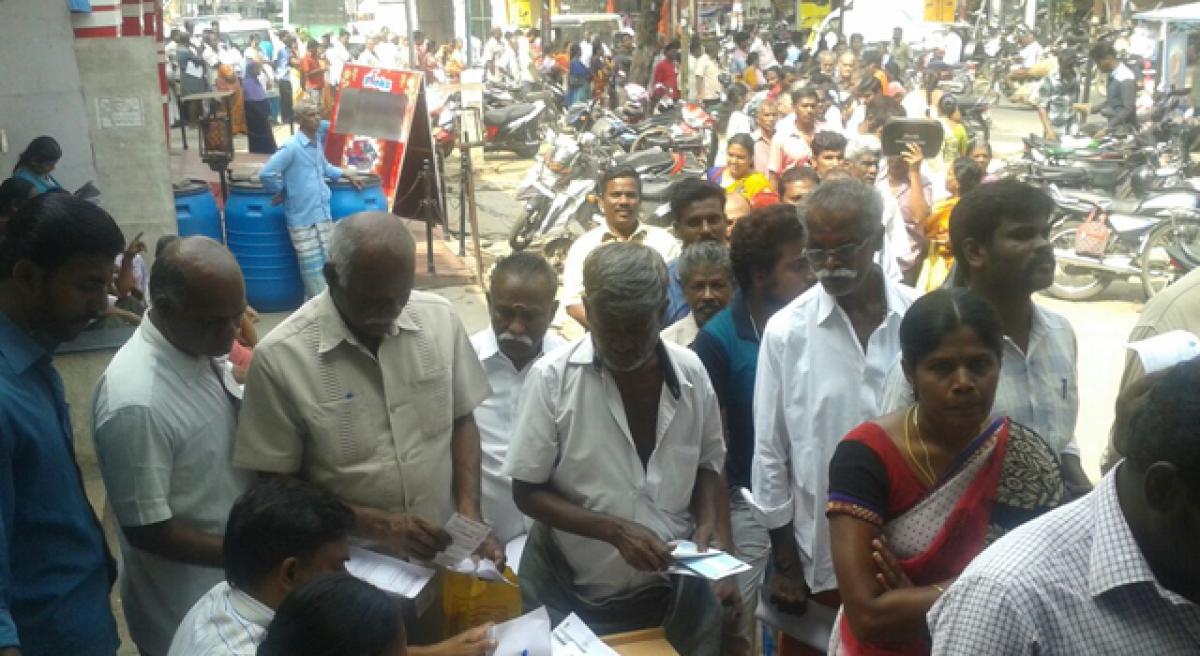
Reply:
x=829 y=367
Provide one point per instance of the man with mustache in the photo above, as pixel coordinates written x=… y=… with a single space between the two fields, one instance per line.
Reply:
x=55 y=266
x=521 y=304
x=368 y=391
x=619 y=192
x=707 y=280
x=617 y=451
x=820 y=373
x=1000 y=242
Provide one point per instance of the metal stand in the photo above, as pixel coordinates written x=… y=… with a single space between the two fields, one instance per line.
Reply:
x=427 y=210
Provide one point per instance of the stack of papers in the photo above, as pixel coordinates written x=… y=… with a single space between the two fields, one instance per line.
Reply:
x=528 y=635
x=388 y=574
x=713 y=564
x=574 y=638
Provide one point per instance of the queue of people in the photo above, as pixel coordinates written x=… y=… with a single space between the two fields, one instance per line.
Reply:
x=897 y=465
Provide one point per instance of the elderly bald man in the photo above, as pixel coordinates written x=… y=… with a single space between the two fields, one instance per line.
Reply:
x=368 y=390
x=164 y=416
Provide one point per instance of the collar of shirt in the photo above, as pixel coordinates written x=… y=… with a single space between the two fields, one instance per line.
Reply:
x=334 y=330
x=585 y=353
x=174 y=357
x=639 y=235
x=1115 y=560
x=303 y=141
x=249 y=608
x=827 y=305
x=1038 y=333
x=18 y=347
x=743 y=323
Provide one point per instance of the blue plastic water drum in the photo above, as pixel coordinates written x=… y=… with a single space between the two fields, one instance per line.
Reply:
x=347 y=200
x=258 y=237
x=196 y=210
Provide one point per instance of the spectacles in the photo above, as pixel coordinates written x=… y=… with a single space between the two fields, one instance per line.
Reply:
x=818 y=256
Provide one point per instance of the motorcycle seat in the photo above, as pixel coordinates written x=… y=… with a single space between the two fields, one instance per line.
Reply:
x=1068 y=175
x=658 y=190
x=647 y=159
x=1117 y=206
x=506 y=114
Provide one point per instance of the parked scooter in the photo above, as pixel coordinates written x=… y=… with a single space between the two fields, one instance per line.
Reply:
x=514 y=128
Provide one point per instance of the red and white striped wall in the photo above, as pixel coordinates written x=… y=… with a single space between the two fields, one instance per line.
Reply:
x=102 y=22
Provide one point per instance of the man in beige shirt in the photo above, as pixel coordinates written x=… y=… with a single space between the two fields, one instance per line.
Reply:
x=368 y=391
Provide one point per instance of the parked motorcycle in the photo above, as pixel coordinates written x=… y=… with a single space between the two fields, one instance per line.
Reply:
x=1123 y=244
x=514 y=128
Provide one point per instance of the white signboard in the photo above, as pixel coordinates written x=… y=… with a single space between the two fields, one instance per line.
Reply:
x=123 y=112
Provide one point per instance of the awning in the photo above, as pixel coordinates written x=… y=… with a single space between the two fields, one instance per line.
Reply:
x=1189 y=13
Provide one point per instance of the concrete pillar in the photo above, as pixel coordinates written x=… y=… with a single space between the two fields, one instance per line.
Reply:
x=131 y=17
x=103 y=21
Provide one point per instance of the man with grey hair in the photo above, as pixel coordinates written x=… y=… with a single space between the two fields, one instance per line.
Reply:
x=368 y=390
x=707 y=279
x=862 y=159
x=164 y=416
x=297 y=174
x=617 y=452
x=821 y=369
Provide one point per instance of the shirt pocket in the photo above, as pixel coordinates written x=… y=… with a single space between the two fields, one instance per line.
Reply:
x=342 y=432
x=433 y=402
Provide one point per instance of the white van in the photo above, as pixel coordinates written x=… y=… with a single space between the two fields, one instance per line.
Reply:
x=238 y=33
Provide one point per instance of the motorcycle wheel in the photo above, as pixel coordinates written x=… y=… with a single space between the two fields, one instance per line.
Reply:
x=1073 y=283
x=1159 y=268
x=524 y=230
x=526 y=150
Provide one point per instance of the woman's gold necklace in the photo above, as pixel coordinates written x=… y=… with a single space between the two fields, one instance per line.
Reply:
x=926 y=470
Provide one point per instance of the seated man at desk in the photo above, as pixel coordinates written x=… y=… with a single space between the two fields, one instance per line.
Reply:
x=616 y=452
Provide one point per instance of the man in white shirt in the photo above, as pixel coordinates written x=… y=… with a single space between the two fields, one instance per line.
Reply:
x=370 y=56
x=820 y=374
x=281 y=533
x=620 y=191
x=999 y=238
x=1113 y=573
x=494 y=46
x=617 y=453
x=338 y=55
x=585 y=49
x=164 y=416
x=521 y=305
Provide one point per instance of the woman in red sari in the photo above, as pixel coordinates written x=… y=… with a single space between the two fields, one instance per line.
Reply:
x=914 y=496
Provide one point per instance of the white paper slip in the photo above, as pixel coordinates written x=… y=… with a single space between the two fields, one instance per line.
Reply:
x=714 y=567
x=467 y=535
x=513 y=551
x=528 y=635
x=684 y=549
x=1165 y=350
x=484 y=570
x=574 y=638
x=388 y=574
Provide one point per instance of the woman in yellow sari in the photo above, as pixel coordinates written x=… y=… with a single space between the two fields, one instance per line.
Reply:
x=738 y=174
x=227 y=80
x=962 y=176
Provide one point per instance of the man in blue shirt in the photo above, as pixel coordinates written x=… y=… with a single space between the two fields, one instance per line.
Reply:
x=767 y=250
x=297 y=172
x=698 y=208
x=55 y=569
